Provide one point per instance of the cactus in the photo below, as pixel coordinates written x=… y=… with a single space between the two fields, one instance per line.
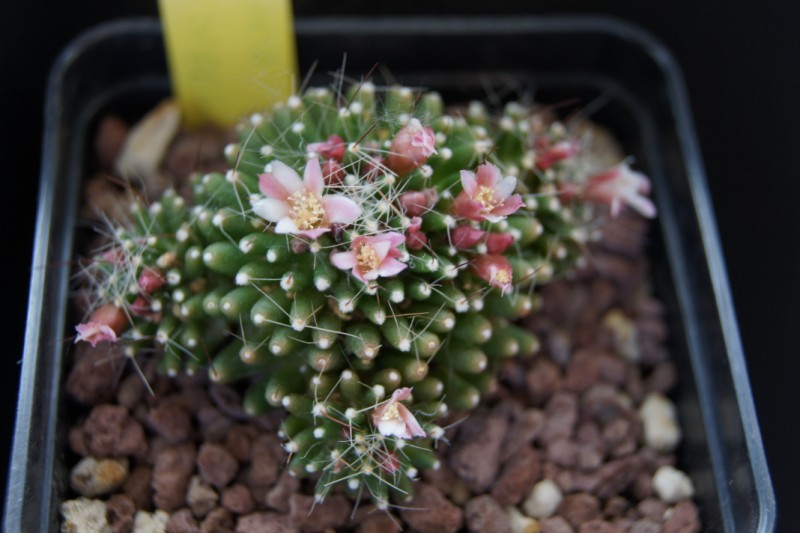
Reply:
x=370 y=296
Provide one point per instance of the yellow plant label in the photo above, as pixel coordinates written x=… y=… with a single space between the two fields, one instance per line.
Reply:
x=229 y=58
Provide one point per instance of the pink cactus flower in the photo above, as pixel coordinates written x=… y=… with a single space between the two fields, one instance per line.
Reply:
x=486 y=196
x=465 y=237
x=371 y=257
x=549 y=153
x=150 y=280
x=411 y=147
x=333 y=148
x=104 y=325
x=392 y=418
x=415 y=238
x=495 y=270
x=299 y=207
x=497 y=243
x=417 y=203
x=621 y=185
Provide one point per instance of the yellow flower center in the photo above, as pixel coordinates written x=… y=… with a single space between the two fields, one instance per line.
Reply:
x=502 y=277
x=368 y=259
x=485 y=195
x=305 y=210
x=390 y=413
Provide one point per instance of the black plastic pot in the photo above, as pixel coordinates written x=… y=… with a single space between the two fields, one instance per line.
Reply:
x=623 y=77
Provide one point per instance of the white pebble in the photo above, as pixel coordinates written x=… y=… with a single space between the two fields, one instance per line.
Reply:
x=201 y=495
x=520 y=523
x=84 y=514
x=91 y=477
x=543 y=500
x=626 y=337
x=145 y=522
x=661 y=431
x=672 y=485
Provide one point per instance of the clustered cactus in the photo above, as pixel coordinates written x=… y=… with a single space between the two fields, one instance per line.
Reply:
x=374 y=294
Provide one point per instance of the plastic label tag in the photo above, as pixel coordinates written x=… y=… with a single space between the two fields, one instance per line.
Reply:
x=228 y=58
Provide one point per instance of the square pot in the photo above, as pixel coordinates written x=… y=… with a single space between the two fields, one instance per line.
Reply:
x=627 y=81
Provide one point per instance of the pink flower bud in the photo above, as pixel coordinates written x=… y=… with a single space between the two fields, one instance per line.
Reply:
x=465 y=237
x=497 y=243
x=141 y=307
x=333 y=148
x=411 y=147
x=372 y=167
x=390 y=463
x=104 y=325
x=549 y=153
x=417 y=203
x=114 y=256
x=150 y=280
x=495 y=270
x=415 y=238
x=332 y=172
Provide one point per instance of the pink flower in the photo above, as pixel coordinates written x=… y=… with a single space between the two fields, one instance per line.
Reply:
x=497 y=243
x=621 y=185
x=548 y=154
x=150 y=280
x=333 y=148
x=417 y=203
x=392 y=418
x=415 y=238
x=495 y=270
x=104 y=325
x=465 y=237
x=372 y=256
x=411 y=147
x=486 y=196
x=298 y=206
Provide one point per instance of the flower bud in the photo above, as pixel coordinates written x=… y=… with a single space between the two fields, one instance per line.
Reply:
x=104 y=325
x=416 y=203
x=333 y=148
x=465 y=237
x=332 y=172
x=497 y=243
x=415 y=238
x=150 y=280
x=411 y=147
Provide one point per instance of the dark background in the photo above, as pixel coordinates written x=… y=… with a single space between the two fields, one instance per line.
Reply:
x=741 y=61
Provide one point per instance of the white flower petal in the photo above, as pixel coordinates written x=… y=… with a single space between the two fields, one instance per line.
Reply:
x=271 y=209
x=505 y=187
x=340 y=209
x=286 y=225
x=286 y=177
